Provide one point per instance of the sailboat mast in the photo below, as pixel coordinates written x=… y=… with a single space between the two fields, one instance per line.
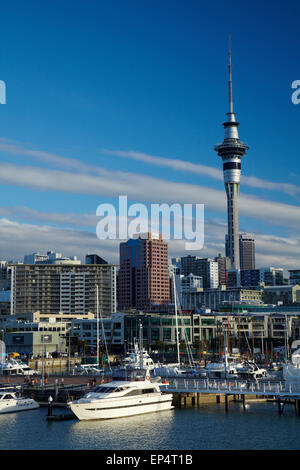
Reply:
x=176 y=317
x=141 y=345
x=97 y=298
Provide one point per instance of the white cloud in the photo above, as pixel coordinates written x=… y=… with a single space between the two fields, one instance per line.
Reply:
x=146 y=189
x=17 y=239
x=82 y=178
x=62 y=219
x=216 y=173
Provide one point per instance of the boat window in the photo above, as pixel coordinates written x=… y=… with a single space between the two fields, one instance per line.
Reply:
x=132 y=393
x=104 y=389
x=7 y=397
x=148 y=390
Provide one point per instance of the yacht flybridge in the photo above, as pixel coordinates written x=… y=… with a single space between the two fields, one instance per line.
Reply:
x=119 y=399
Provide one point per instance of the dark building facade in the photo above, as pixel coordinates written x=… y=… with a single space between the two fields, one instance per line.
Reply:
x=143 y=278
x=247 y=251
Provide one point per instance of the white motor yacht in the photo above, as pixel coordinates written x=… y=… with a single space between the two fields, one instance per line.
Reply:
x=16 y=367
x=119 y=399
x=291 y=371
x=138 y=358
x=87 y=369
x=232 y=367
x=10 y=402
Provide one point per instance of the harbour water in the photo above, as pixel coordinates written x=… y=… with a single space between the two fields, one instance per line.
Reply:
x=258 y=427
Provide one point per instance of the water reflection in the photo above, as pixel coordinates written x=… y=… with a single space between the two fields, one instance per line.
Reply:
x=135 y=432
x=207 y=427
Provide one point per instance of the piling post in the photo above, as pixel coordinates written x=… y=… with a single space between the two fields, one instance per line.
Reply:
x=279 y=406
x=50 y=400
x=226 y=402
x=179 y=400
x=297 y=407
x=244 y=401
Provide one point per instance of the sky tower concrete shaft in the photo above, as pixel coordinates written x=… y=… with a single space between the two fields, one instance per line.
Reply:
x=231 y=151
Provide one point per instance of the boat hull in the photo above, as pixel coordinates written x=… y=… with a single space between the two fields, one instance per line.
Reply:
x=18 y=405
x=98 y=410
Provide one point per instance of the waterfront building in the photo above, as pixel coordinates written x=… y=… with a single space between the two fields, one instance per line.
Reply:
x=38 y=318
x=51 y=287
x=253 y=325
x=143 y=278
x=35 y=342
x=285 y=295
x=13 y=323
x=111 y=331
x=231 y=150
x=159 y=329
x=196 y=299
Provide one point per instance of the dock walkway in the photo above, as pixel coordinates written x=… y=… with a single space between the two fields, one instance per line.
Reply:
x=272 y=388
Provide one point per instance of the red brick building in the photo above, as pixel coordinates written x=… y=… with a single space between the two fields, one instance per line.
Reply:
x=143 y=279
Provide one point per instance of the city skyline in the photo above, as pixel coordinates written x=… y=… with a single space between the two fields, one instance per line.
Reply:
x=137 y=113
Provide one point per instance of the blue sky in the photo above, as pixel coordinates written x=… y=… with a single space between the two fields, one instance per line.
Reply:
x=99 y=93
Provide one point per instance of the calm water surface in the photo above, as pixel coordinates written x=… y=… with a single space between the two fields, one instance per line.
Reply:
x=209 y=427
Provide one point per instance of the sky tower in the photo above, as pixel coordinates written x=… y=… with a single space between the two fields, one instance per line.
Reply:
x=231 y=151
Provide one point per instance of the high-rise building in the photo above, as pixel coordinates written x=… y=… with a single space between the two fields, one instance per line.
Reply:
x=223 y=267
x=190 y=282
x=50 y=258
x=176 y=262
x=52 y=288
x=294 y=277
x=203 y=267
x=247 y=251
x=231 y=151
x=5 y=271
x=143 y=279
x=94 y=259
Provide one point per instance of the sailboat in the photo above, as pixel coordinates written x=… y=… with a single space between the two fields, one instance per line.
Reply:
x=173 y=370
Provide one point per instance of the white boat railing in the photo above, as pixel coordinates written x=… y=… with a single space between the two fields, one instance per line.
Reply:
x=262 y=387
